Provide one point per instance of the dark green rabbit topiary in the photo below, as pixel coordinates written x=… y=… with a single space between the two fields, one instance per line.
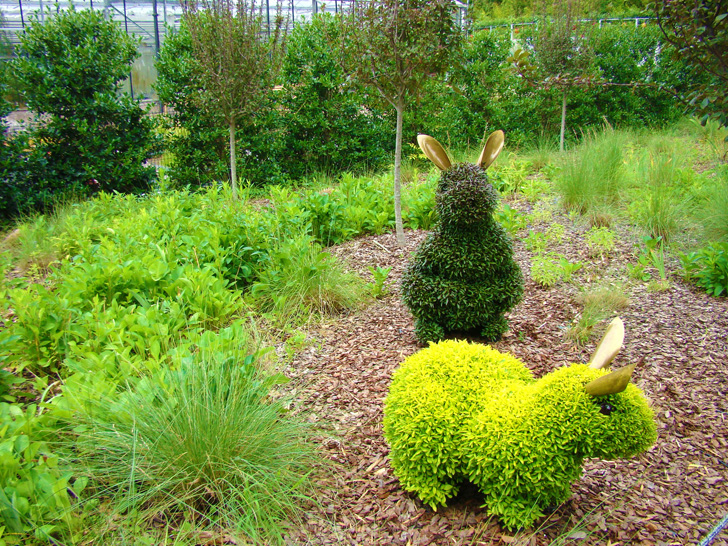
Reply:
x=463 y=276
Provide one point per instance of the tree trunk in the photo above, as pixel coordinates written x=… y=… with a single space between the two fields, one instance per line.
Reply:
x=563 y=120
x=233 y=170
x=398 y=226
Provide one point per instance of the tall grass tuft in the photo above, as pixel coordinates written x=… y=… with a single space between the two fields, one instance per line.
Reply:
x=202 y=441
x=660 y=206
x=300 y=280
x=713 y=215
x=599 y=304
x=592 y=176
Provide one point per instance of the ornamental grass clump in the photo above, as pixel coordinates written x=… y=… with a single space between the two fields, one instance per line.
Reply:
x=461 y=412
x=208 y=439
x=463 y=276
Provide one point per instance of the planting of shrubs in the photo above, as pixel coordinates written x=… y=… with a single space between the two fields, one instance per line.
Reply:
x=463 y=276
x=458 y=411
x=88 y=137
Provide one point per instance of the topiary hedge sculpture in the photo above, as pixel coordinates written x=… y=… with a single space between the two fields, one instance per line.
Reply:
x=463 y=276
x=458 y=411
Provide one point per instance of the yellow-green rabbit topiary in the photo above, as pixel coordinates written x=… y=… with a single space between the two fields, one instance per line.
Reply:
x=458 y=411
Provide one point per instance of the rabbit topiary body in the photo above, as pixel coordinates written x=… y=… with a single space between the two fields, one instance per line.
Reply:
x=458 y=411
x=463 y=276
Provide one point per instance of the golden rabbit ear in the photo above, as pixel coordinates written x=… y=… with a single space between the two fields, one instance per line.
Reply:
x=493 y=147
x=434 y=151
x=609 y=346
x=612 y=383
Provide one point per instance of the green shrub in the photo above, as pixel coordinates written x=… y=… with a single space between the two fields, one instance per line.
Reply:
x=708 y=268
x=198 y=145
x=89 y=137
x=201 y=437
x=463 y=276
x=457 y=411
x=600 y=241
x=511 y=219
x=535 y=241
x=327 y=126
x=551 y=268
x=36 y=494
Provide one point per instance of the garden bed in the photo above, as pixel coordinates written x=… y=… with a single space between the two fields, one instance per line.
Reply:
x=673 y=494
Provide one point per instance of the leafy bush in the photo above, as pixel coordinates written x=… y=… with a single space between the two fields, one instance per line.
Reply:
x=600 y=240
x=327 y=124
x=708 y=268
x=511 y=219
x=463 y=276
x=35 y=492
x=88 y=136
x=197 y=143
x=457 y=411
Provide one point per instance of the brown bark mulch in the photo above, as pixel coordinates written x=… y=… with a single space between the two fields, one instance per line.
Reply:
x=672 y=495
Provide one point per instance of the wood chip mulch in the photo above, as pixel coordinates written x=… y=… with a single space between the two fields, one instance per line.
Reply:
x=672 y=495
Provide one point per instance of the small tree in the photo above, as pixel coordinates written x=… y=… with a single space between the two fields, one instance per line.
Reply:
x=698 y=29
x=89 y=136
x=235 y=59
x=563 y=58
x=394 y=46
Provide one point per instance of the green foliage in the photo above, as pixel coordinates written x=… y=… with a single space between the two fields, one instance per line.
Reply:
x=699 y=33
x=35 y=492
x=140 y=287
x=463 y=276
x=299 y=279
x=198 y=144
x=592 y=176
x=394 y=47
x=599 y=304
x=600 y=241
x=234 y=63
x=551 y=268
x=202 y=436
x=662 y=203
x=535 y=241
x=327 y=126
x=708 y=268
x=651 y=256
x=457 y=411
x=378 y=288
x=89 y=137
x=511 y=219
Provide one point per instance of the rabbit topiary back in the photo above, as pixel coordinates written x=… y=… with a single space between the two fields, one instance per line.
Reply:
x=463 y=276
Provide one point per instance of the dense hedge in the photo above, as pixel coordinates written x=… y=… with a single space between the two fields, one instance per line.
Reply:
x=483 y=93
x=313 y=122
x=329 y=124
x=198 y=145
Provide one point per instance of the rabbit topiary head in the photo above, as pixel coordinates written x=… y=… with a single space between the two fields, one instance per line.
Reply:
x=465 y=197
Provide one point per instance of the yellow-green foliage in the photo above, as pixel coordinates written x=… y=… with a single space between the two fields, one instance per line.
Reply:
x=458 y=411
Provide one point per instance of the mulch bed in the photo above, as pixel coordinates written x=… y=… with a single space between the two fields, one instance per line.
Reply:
x=672 y=495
